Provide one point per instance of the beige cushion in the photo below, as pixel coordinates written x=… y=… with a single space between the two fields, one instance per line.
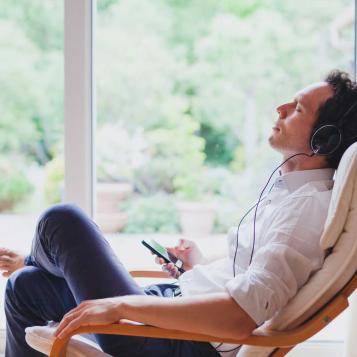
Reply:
x=41 y=339
x=339 y=266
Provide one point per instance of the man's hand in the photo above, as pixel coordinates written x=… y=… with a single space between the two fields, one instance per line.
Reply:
x=188 y=252
x=10 y=261
x=91 y=312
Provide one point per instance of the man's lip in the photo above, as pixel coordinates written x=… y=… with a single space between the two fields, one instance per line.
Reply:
x=275 y=128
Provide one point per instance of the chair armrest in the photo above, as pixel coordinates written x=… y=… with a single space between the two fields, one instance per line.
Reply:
x=149 y=274
x=267 y=338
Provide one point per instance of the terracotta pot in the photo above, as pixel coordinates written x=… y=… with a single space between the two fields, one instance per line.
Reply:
x=111 y=222
x=196 y=218
x=6 y=205
x=110 y=194
x=108 y=215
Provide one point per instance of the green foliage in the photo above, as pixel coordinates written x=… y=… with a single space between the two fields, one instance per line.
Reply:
x=154 y=175
x=189 y=187
x=173 y=152
x=119 y=152
x=151 y=214
x=54 y=177
x=14 y=186
x=201 y=184
x=190 y=83
x=37 y=21
x=238 y=163
x=220 y=145
x=104 y=5
x=31 y=74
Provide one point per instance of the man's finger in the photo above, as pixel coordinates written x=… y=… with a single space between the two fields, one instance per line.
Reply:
x=184 y=245
x=173 y=251
x=75 y=310
x=159 y=260
x=66 y=320
x=5 y=261
x=172 y=270
x=5 y=258
x=5 y=251
x=71 y=326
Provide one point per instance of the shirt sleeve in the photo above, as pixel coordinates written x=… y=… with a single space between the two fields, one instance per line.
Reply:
x=282 y=265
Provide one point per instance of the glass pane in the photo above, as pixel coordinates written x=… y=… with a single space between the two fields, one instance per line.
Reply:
x=186 y=98
x=31 y=119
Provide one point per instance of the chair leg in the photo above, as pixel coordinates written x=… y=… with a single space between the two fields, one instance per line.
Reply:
x=280 y=352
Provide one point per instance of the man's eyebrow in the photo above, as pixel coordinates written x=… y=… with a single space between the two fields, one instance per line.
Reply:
x=298 y=98
x=301 y=99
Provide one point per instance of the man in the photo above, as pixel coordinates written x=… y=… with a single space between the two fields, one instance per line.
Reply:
x=73 y=276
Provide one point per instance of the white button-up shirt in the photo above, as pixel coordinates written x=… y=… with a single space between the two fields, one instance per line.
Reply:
x=289 y=224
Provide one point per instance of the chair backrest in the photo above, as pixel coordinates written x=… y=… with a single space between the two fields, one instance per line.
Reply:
x=340 y=234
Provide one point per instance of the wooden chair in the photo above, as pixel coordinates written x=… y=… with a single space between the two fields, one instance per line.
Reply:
x=283 y=342
x=316 y=304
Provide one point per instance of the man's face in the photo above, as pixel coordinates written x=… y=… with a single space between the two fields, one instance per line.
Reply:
x=292 y=131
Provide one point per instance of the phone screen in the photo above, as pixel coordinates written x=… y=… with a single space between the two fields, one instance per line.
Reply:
x=160 y=249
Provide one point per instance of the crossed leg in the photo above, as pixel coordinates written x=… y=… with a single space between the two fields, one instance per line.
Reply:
x=72 y=262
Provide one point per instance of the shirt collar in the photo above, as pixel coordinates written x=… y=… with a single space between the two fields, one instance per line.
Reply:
x=295 y=179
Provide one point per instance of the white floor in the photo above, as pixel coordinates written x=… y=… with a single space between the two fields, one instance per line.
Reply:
x=16 y=233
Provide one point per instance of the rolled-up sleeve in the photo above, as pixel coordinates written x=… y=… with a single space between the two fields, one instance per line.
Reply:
x=282 y=265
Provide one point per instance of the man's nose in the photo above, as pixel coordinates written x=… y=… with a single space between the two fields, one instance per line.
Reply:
x=281 y=111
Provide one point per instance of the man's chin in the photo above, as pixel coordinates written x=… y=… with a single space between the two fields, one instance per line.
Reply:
x=274 y=144
x=271 y=141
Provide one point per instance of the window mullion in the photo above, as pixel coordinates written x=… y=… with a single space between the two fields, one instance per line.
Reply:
x=79 y=114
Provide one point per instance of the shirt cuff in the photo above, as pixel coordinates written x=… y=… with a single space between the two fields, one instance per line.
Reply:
x=28 y=260
x=253 y=297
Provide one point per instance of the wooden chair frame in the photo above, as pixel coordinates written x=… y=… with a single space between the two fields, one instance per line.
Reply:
x=283 y=341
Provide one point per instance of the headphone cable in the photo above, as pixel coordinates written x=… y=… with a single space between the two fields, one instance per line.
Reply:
x=256 y=210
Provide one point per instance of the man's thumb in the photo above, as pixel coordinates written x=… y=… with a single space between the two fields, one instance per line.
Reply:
x=171 y=250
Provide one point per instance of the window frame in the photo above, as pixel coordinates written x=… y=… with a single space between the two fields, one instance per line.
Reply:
x=79 y=103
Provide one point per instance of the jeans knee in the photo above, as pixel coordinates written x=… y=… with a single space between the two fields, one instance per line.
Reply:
x=61 y=224
x=20 y=284
x=62 y=213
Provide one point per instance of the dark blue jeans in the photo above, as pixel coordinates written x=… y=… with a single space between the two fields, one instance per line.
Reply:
x=70 y=262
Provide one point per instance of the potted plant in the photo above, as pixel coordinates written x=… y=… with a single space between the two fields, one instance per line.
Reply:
x=108 y=215
x=196 y=212
x=118 y=153
x=14 y=186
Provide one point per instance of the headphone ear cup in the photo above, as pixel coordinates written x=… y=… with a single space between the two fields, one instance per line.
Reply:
x=326 y=140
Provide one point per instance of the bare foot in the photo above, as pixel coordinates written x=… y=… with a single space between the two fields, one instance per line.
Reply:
x=10 y=261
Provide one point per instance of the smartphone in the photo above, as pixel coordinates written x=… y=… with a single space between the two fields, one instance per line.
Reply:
x=162 y=252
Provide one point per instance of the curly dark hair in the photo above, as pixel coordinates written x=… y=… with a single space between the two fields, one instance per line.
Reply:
x=336 y=110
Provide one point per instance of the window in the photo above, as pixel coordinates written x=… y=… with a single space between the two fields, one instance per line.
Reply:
x=31 y=120
x=186 y=97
